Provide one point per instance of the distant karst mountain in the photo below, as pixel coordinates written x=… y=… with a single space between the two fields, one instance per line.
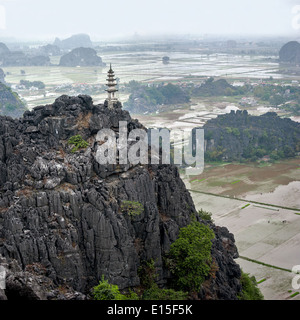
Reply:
x=83 y=57
x=19 y=58
x=3 y=49
x=212 y=87
x=50 y=49
x=10 y=103
x=151 y=99
x=75 y=41
x=290 y=53
x=2 y=76
x=238 y=136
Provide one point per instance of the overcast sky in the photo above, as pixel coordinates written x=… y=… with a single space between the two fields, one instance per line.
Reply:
x=110 y=18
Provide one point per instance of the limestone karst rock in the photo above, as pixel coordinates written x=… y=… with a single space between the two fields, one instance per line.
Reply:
x=19 y=58
x=290 y=53
x=61 y=218
x=83 y=57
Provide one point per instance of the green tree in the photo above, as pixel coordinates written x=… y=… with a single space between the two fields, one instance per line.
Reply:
x=107 y=291
x=288 y=151
x=147 y=274
x=236 y=132
x=276 y=100
x=189 y=257
x=132 y=208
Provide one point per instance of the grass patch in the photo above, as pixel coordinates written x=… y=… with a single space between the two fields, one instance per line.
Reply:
x=261 y=281
x=267 y=208
x=247 y=205
x=294 y=294
x=198 y=180
x=265 y=264
x=234 y=182
x=217 y=163
x=217 y=183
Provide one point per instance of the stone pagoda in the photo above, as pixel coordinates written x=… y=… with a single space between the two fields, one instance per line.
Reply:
x=111 y=90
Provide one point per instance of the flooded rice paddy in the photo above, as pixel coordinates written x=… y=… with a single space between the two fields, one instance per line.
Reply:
x=264 y=217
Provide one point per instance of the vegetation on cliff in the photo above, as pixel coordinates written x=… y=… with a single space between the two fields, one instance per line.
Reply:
x=239 y=136
x=78 y=143
x=189 y=259
x=250 y=291
x=190 y=262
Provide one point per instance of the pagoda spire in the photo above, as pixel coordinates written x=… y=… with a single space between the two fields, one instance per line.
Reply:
x=111 y=90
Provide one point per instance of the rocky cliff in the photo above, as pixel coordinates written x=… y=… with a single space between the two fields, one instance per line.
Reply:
x=61 y=220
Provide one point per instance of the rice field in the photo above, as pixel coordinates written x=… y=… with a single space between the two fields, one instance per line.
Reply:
x=145 y=66
x=266 y=234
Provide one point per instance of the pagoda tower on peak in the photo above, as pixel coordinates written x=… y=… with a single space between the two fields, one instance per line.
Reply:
x=111 y=90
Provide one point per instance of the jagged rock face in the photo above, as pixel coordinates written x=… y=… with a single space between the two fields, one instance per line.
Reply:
x=290 y=53
x=61 y=220
x=81 y=57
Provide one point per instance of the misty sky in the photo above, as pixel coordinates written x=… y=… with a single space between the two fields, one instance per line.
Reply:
x=111 y=18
